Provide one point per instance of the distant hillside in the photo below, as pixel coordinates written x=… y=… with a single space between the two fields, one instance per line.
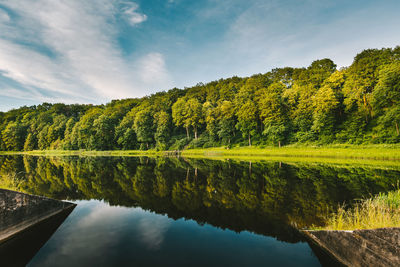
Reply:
x=318 y=104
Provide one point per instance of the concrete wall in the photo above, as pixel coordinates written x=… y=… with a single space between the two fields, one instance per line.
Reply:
x=374 y=247
x=19 y=211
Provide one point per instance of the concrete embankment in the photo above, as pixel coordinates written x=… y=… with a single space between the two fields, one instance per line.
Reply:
x=26 y=223
x=374 y=247
x=19 y=211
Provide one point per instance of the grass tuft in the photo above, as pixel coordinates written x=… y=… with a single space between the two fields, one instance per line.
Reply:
x=380 y=211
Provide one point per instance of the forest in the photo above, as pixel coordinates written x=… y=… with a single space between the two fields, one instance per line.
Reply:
x=320 y=104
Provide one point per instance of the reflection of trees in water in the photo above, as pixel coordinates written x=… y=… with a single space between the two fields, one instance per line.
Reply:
x=264 y=197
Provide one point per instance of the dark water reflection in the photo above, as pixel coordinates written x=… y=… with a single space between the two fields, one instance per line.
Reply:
x=169 y=211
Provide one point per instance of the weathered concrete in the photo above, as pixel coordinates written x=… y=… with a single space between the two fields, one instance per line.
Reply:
x=23 y=246
x=375 y=247
x=19 y=211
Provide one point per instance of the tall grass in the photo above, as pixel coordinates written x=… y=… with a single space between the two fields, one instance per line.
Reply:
x=375 y=152
x=371 y=152
x=380 y=211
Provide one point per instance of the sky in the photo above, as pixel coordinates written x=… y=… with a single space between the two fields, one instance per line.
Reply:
x=93 y=51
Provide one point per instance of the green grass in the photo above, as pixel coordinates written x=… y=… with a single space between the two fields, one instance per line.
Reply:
x=83 y=153
x=380 y=211
x=382 y=152
x=378 y=155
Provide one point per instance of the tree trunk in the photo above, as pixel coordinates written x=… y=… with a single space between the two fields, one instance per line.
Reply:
x=249 y=167
x=397 y=128
x=187 y=132
x=147 y=145
x=195 y=133
x=279 y=144
x=365 y=107
x=249 y=139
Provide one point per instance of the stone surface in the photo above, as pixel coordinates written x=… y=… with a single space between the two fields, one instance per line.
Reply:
x=19 y=211
x=375 y=247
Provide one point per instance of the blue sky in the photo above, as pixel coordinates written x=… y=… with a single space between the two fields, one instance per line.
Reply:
x=92 y=51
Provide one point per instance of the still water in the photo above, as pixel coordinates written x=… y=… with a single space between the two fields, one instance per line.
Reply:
x=184 y=212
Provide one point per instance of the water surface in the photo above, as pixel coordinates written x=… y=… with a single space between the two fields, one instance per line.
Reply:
x=179 y=212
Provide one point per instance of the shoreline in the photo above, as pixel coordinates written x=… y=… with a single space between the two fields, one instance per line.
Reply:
x=384 y=155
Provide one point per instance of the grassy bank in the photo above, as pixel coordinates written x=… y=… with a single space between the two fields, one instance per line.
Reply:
x=84 y=153
x=332 y=161
x=355 y=152
x=380 y=211
x=382 y=152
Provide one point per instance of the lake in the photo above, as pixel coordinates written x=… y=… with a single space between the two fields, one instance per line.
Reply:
x=140 y=211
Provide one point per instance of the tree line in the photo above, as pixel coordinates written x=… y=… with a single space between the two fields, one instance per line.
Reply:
x=319 y=104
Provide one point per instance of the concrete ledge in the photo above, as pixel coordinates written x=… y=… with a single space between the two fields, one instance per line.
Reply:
x=19 y=211
x=22 y=247
x=374 y=247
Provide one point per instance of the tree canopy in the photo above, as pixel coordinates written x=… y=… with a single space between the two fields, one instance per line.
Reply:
x=317 y=104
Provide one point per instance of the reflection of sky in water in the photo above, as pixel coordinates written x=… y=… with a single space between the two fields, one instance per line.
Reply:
x=96 y=234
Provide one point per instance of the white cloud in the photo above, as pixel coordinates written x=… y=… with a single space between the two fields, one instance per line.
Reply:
x=85 y=235
x=69 y=50
x=19 y=94
x=153 y=69
x=131 y=14
x=152 y=230
x=96 y=228
x=4 y=17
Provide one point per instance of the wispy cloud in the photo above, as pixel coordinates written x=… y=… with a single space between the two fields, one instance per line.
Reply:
x=94 y=51
x=4 y=17
x=152 y=231
x=130 y=11
x=69 y=49
x=258 y=35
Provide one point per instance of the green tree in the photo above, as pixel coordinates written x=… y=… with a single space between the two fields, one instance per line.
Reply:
x=246 y=106
x=162 y=134
x=327 y=104
x=226 y=125
x=188 y=112
x=125 y=135
x=362 y=78
x=386 y=96
x=30 y=142
x=43 y=142
x=272 y=112
x=104 y=132
x=56 y=130
x=211 y=114
x=13 y=136
x=68 y=134
x=143 y=125
x=247 y=119
x=83 y=132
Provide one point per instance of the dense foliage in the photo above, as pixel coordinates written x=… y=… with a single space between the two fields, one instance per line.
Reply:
x=320 y=104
